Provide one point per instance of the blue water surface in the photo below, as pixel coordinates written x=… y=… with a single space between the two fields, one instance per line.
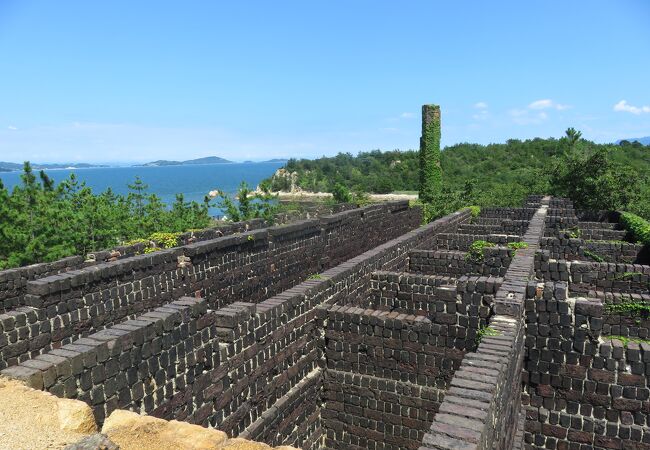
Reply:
x=193 y=181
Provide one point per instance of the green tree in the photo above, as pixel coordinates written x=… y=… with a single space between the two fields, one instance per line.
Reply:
x=248 y=205
x=42 y=222
x=138 y=195
x=573 y=136
x=341 y=194
x=6 y=226
x=592 y=180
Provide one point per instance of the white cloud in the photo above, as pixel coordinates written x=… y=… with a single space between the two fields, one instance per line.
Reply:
x=11 y=127
x=547 y=104
x=625 y=107
x=536 y=112
x=482 y=113
x=525 y=117
x=541 y=104
x=407 y=115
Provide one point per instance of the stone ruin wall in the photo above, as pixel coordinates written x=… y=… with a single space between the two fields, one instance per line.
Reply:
x=114 y=335
x=352 y=332
x=584 y=387
x=13 y=282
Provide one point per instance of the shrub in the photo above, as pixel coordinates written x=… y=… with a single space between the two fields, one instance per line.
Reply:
x=517 y=245
x=475 y=252
x=573 y=233
x=145 y=242
x=248 y=205
x=165 y=240
x=638 y=228
x=341 y=194
x=475 y=210
x=361 y=198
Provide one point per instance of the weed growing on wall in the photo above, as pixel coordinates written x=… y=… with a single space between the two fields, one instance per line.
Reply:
x=475 y=210
x=517 y=245
x=629 y=306
x=485 y=331
x=572 y=233
x=594 y=256
x=475 y=252
x=157 y=241
x=626 y=275
x=626 y=339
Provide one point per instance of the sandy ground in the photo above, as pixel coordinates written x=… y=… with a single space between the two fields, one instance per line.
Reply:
x=311 y=196
x=306 y=196
x=36 y=420
x=29 y=420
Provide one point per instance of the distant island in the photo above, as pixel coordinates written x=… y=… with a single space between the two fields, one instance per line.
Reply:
x=11 y=167
x=206 y=160
x=642 y=140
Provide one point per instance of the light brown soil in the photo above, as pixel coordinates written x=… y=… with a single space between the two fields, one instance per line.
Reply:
x=132 y=431
x=37 y=420
x=310 y=196
x=29 y=419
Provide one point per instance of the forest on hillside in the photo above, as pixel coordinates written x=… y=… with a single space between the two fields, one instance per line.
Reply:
x=41 y=221
x=594 y=176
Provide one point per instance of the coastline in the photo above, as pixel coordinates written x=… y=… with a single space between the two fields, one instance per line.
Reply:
x=311 y=196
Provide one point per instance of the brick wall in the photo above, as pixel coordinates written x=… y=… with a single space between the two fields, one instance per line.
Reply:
x=509 y=213
x=385 y=376
x=14 y=281
x=574 y=249
x=292 y=313
x=136 y=365
x=582 y=389
x=248 y=266
x=226 y=229
x=456 y=263
x=481 y=409
x=586 y=277
x=457 y=308
x=462 y=242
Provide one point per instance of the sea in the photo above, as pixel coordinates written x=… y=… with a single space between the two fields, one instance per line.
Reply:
x=193 y=181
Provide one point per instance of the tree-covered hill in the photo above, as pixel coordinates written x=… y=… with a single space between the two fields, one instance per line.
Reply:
x=495 y=174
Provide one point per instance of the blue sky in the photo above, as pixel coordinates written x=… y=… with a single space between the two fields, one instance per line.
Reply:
x=137 y=81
